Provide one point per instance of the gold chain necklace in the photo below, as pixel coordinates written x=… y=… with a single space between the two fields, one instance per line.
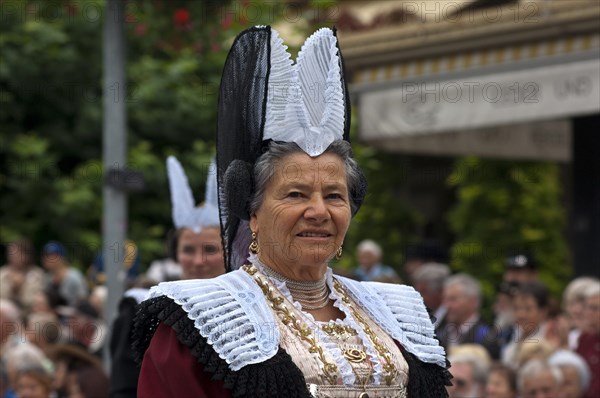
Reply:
x=388 y=367
x=289 y=319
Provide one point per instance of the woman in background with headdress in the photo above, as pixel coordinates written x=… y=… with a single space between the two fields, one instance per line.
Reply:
x=195 y=244
x=280 y=324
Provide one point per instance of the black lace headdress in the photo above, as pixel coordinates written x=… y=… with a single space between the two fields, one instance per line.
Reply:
x=264 y=96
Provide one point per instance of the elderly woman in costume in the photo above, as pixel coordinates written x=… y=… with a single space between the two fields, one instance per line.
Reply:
x=279 y=323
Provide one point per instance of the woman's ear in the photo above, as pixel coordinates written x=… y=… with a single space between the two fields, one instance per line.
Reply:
x=253 y=223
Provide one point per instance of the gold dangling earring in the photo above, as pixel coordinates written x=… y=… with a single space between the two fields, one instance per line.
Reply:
x=254 y=248
x=338 y=254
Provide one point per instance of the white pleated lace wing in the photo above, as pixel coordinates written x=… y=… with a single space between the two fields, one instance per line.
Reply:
x=184 y=210
x=400 y=311
x=305 y=103
x=231 y=313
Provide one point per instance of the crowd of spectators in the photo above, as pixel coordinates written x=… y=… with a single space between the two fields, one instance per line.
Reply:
x=53 y=331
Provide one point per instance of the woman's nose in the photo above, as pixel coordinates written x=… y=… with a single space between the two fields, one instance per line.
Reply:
x=317 y=209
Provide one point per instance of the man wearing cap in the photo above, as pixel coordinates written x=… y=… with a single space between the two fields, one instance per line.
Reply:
x=67 y=281
x=520 y=268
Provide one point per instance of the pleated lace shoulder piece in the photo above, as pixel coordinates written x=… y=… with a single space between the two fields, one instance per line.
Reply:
x=400 y=311
x=230 y=312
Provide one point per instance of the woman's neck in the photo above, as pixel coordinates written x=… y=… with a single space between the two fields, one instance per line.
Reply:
x=296 y=272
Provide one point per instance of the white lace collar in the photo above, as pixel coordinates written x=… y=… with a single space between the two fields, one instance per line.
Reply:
x=231 y=312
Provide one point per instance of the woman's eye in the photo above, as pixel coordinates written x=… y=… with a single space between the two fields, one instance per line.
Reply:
x=188 y=249
x=335 y=196
x=294 y=194
x=210 y=249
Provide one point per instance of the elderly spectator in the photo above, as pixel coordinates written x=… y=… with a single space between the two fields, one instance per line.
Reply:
x=589 y=341
x=575 y=373
x=462 y=324
x=469 y=374
x=538 y=379
x=43 y=329
x=35 y=382
x=370 y=268
x=531 y=303
x=519 y=268
x=574 y=305
x=429 y=281
x=22 y=357
x=10 y=326
x=67 y=281
x=501 y=382
x=20 y=279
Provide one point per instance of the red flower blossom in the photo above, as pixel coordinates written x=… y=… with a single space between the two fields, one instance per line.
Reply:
x=181 y=16
x=227 y=21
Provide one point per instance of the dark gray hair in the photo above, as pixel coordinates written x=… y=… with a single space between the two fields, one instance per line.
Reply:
x=266 y=165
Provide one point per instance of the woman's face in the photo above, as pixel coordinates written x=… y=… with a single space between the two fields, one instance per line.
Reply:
x=305 y=212
x=498 y=386
x=528 y=315
x=200 y=255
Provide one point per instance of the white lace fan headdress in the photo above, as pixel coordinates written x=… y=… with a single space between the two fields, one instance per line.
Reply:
x=306 y=100
x=186 y=214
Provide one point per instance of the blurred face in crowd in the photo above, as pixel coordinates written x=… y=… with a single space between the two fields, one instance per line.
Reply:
x=29 y=386
x=200 y=255
x=463 y=385
x=498 y=386
x=460 y=306
x=541 y=385
x=528 y=315
x=367 y=259
x=576 y=309
x=592 y=314
x=17 y=256
x=571 y=383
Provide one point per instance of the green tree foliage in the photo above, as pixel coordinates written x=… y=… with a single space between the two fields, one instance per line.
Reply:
x=51 y=112
x=51 y=173
x=503 y=206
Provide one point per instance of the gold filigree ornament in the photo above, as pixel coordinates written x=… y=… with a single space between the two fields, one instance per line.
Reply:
x=388 y=366
x=289 y=319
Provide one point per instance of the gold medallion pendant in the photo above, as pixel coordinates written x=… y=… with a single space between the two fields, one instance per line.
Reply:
x=354 y=355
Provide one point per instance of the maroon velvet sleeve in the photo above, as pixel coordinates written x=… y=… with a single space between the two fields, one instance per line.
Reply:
x=170 y=370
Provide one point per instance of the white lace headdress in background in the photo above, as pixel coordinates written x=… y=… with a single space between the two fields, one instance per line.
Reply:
x=186 y=214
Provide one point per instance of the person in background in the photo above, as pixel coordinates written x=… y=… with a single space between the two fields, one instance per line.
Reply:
x=575 y=373
x=10 y=326
x=504 y=318
x=469 y=375
x=22 y=357
x=531 y=304
x=588 y=345
x=463 y=323
x=574 y=305
x=34 y=382
x=418 y=254
x=501 y=382
x=519 y=268
x=67 y=281
x=78 y=373
x=538 y=379
x=20 y=278
x=370 y=268
x=195 y=245
x=429 y=281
